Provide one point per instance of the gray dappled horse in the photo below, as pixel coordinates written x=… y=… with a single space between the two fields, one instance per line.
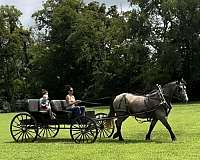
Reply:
x=154 y=106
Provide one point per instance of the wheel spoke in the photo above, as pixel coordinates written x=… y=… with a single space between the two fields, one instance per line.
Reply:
x=23 y=136
x=18 y=119
x=29 y=134
x=52 y=130
x=107 y=132
x=76 y=133
x=49 y=132
x=80 y=139
x=19 y=136
x=16 y=124
x=31 y=131
x=83 y=135
x=78 y=136
x=15 y=130
x=89 y=134
x=44 y=131
x=18 y=133
x=87 y=137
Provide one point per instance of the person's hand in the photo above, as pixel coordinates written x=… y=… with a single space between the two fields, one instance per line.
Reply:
x=78 y=101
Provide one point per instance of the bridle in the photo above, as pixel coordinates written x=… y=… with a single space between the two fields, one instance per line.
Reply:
x=179 y=91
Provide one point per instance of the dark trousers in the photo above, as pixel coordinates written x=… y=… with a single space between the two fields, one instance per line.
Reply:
x=77 y=110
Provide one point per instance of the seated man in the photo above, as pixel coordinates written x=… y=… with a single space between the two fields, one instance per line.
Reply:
x=72 y=102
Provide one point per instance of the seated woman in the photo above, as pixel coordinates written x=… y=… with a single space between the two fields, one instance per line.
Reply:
x=73 y=103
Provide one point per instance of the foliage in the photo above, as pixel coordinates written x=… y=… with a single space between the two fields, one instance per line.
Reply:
x=99 y=50
x=14 y=41
x=174 y=37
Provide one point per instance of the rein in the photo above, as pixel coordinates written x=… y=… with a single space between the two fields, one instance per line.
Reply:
x=92 y=101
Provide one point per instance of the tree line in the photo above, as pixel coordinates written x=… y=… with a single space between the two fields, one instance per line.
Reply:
x=99 y=50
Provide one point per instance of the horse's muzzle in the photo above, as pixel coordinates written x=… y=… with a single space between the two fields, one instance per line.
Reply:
x=186 y=99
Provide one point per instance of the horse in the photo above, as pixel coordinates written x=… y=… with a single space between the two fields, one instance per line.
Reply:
x=153 y=106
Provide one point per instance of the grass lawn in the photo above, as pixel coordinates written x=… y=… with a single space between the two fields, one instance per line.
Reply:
x=184 y=120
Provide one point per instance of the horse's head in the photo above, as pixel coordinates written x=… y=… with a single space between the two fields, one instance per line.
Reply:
x=176 y=89
x=180 y=91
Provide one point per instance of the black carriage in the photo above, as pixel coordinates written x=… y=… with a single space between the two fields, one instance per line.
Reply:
x=36 y=123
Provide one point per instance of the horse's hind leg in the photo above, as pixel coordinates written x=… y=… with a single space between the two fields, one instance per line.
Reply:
x=152 y=125
x=118 y=124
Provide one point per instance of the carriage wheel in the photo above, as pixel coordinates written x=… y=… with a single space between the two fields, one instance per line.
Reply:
x=48 y=130
x=83 y=130
x=105 y=127
x=23 y=128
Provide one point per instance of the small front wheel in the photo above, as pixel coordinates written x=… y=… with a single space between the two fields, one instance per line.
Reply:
x=105 y=125
x=83 y=130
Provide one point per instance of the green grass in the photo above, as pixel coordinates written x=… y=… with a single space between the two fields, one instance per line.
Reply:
x=184 y=120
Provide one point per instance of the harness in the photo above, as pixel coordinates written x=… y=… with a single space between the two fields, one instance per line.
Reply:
x=164 y=103
x=153 y=102
x=125 y=102
x=149 y=102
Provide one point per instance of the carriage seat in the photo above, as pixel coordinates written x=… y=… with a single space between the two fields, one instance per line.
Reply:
x=34 y=106
x=59 y=106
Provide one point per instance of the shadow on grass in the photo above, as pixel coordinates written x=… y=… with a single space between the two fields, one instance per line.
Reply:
x=103 y=140
x=132 y=141
x=46 y=140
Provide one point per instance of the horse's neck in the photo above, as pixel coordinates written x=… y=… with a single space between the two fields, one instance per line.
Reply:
x=168 y=92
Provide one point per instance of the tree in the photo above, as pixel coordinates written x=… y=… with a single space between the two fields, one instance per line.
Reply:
x=13 y=52
x=56 y=63
x=174 y=37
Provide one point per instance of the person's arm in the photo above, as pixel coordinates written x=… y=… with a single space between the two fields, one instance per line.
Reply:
x=70 y=102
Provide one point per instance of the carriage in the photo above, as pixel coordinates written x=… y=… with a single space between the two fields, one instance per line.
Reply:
x=155 y=106
x=35 y=123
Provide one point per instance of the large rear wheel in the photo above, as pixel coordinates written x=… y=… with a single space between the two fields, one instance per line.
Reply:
x=23 y=128
x=83 y=130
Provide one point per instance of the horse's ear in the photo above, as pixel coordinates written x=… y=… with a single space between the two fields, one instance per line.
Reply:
x=181 y=80
x=178 y=82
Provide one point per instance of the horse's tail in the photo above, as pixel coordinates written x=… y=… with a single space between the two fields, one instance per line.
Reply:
x=111 y=114
x=112 y=111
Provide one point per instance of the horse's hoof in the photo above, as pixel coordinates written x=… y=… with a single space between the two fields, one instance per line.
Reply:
x=174 y=139
x=121 y=139
x=147 y=137
x=115 y=135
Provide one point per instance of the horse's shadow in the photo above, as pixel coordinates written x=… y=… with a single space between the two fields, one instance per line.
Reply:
x=132 y=141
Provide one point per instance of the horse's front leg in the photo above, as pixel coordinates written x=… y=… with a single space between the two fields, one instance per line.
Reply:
x=152 y=125
x=166 y=124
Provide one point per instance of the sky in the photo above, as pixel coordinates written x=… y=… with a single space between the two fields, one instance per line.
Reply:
x=28 y=7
